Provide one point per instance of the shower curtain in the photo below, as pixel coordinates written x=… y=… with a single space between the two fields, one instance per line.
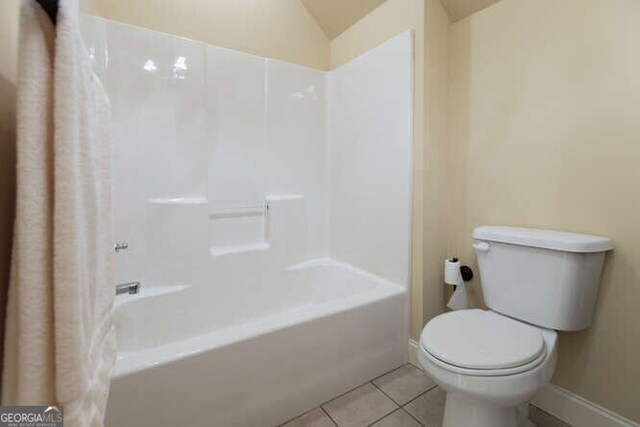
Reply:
x=59 y=344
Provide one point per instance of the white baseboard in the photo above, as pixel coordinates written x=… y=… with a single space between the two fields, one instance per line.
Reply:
x=413 y=353
x=562 y=404
x=576 y=410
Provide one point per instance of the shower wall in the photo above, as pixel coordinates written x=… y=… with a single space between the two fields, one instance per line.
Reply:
x=370 y=146
x=204 y=137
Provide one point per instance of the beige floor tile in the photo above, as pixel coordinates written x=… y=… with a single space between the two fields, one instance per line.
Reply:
x=543 y=419
x=360 y=407
x=314 y=418
x=398 y=418
x=428 y=408
x=404 y=383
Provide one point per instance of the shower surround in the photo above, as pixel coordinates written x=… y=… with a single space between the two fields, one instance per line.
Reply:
x=267 y=208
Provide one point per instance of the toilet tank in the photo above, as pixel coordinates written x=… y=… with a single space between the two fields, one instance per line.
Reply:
x=547 y=278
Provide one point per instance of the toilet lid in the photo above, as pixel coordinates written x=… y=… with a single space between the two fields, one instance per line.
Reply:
x=479 y=339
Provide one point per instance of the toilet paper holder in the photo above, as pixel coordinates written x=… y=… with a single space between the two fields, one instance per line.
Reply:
x=465 y=271
x=457 y=275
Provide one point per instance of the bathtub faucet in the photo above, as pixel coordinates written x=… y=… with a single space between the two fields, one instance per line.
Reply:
x=128 y=288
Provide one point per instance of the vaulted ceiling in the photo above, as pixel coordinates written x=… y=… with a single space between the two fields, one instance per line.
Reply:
x=459 y=9
x=335 y=16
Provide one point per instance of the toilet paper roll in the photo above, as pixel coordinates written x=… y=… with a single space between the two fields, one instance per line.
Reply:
x=452 y=274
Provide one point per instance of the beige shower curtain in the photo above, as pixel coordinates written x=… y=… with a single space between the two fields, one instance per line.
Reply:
x=59 y=344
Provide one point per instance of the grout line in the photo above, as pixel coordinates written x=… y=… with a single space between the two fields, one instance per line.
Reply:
x=393 y=370
x=392 y=399
x=399 y=406
x=382 y=391
x=363 y=384
x=415 y=366
x=420 y=395
x=411 y=415
x=328 y=415
x=346 y=392
x=297 y=416
x=403 y=405
x=384 y=416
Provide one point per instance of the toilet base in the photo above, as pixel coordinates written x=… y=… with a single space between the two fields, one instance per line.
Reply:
x=462 y=412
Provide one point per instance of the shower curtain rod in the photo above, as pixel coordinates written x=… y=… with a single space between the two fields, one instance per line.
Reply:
x=51 y=7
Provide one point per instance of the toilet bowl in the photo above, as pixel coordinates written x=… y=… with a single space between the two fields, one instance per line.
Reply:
x=488 y=364
x=492 y=362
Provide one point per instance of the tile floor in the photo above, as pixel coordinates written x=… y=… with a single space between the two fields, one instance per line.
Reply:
x=404 y=397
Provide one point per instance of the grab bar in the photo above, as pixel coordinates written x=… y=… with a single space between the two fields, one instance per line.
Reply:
x=130 y=288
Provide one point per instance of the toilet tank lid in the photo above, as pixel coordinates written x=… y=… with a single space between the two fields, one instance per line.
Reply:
x=547 y=239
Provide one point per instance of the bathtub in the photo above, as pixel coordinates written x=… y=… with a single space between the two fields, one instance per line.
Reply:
x=234 y=176
x=184 y=361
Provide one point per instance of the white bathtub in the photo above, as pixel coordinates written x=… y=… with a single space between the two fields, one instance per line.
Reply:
x=186 y=361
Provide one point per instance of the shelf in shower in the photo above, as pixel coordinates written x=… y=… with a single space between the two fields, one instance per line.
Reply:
x=239 y=211
x=179 y=201
x=237 y=249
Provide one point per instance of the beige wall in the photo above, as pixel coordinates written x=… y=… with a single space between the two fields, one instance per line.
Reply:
x=9 y=11
x=8 y=72
x=281 y=29
x=386 y=21
x=435 y=198
x=545 y=132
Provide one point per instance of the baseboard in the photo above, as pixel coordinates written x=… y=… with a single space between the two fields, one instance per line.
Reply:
x=576 y=410
x=413 y=353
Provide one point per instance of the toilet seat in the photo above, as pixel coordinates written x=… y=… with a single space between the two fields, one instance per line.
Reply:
x=482 y=343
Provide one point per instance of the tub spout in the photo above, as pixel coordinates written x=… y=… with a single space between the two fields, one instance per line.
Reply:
x=130 y=288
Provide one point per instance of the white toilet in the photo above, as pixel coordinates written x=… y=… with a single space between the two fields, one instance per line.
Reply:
x=492 y=362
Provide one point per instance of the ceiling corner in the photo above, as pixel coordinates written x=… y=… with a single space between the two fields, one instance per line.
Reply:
x=335 y=16
x=460 y=9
